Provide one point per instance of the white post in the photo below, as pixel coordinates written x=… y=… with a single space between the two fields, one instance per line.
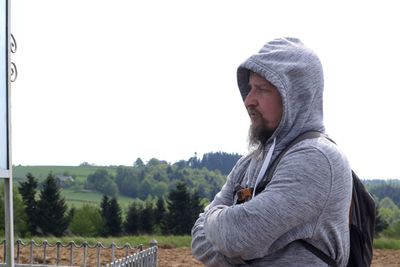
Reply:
x=5 y=128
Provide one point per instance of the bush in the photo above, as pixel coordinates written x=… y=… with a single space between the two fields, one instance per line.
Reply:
x=393 y=231
x=87 y=221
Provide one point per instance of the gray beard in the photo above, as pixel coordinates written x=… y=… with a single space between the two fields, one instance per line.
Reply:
x=258 y=136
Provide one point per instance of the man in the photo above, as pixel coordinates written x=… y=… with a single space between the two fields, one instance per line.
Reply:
x=309 y=195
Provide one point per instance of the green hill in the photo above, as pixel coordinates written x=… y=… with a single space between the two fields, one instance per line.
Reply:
x=78 y=198
x=41 y=172
x=127 y=183
x=77 y=195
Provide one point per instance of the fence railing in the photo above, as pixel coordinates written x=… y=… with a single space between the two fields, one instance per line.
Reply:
x=85 y=255
x=144 y=258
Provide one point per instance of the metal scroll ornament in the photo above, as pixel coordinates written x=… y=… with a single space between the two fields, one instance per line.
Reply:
x=13 y=49
x=13 y=44
x=14 y=72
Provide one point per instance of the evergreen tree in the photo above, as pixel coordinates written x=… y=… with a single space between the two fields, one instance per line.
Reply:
x=179 y=218
x=159 y=212
x=104 y=206
x=133 y=221
x=104 y=210
x=160 y=217
x=386 y=190
x=27 y=190
x=114 y=219
x=138 y=163
x=221 y=161
x=196 y=206
x=194 y=162
x=147 y=218
x=52 y=209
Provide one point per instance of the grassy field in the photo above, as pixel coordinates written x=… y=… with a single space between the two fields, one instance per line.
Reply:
x=387 y=243
x=78 y=198
x=41 y=172
x=73 y=197
x=167 y=241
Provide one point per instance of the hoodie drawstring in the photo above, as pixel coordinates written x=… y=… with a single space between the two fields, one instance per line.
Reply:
x=264 y=167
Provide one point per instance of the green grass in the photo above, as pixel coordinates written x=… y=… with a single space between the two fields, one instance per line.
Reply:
x=78 y=198
x=386 y=243
x=41 y=172
x=72 y=197
x=163 y=241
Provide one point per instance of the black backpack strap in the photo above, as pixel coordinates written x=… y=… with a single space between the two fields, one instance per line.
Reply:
x=317 y=252
x=307 y=135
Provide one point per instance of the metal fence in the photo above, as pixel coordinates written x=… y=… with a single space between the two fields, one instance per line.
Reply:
x=84 y=255
x=144 y=258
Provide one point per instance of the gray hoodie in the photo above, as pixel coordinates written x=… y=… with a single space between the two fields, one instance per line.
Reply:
x=310 y=191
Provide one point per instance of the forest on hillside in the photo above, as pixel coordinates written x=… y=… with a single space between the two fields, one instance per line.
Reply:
x=156 y=178
x=151 y=184
x=44 y=212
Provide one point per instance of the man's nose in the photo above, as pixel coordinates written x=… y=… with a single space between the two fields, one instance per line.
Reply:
x=250 y=100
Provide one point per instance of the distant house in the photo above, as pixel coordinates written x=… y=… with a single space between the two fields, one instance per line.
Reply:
x=63 y=180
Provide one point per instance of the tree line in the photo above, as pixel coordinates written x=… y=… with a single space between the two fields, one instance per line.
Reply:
x=45 y=213
x=175 y=216
x=190 y=179
x=157 y=177
x=386 y=194
x=213 y=161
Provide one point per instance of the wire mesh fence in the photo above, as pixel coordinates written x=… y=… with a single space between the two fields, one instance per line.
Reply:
x=85 y=255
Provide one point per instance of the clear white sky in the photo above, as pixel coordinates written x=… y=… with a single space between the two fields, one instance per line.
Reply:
x=109 y=81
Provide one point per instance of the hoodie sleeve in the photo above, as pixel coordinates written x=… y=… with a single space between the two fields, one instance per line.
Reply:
x=202 y=249
x=293 y=200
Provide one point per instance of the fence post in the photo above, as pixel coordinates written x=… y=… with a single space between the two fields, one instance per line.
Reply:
x=4 y=251
x=98 y=254
x=58 y=244
x=71 y=243
x=154 y=249
x=112 y=252
x=153 y=243
x=19 y=241
x=85 y=249
x=127 y=246
x=31 y=253
x=44 y=251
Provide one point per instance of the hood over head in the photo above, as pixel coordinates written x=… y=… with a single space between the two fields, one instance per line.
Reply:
x=296 y=72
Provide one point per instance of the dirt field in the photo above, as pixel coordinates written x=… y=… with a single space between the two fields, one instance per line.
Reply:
x=181 y=257
x=386 y=258
x=176 y=257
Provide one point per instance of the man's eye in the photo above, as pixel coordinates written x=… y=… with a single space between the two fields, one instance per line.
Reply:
x=264 y=90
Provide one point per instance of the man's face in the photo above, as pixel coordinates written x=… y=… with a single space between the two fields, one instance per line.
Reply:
x=264 y=105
